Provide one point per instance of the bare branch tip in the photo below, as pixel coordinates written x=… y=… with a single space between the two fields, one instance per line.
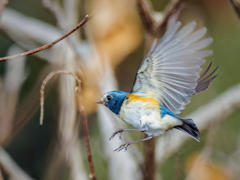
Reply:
x=41 y=105
x=46 y=80
x=41 y=121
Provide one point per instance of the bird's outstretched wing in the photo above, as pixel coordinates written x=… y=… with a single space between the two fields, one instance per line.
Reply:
x=170 y=72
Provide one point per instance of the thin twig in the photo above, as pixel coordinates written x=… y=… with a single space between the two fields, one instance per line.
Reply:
x=46 y=80
x=47 y=46
x=82 y=114
x=92 y=175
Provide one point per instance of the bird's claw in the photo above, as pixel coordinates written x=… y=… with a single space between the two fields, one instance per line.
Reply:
x=116 y=132
x=123 y=146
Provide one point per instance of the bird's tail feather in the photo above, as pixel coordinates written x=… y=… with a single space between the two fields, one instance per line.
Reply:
x=189 y=128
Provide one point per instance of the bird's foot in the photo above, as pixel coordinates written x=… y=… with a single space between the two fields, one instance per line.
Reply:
x=117 y=132
x=123 y=146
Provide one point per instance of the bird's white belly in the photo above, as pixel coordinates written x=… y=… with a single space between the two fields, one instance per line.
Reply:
x=139 y=116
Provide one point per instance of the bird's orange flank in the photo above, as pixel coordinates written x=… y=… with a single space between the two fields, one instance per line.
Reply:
x=151 y=102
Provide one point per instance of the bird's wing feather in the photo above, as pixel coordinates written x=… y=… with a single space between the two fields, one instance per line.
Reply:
x=170 y=72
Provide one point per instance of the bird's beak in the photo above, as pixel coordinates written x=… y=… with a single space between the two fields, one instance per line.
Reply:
x=100 y=101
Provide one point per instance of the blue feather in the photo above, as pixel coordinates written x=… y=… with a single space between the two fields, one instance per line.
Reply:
x=165 y=111
x=117 y=98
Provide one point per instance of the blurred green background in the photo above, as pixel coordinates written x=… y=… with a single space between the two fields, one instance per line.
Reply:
x=30 y=147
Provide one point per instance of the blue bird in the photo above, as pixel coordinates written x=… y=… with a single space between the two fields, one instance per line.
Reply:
x=163 y=84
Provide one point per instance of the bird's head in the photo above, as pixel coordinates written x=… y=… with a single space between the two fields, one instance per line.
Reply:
x=113 y=100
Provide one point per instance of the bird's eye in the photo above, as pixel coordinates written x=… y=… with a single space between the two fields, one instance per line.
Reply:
x=109 y=97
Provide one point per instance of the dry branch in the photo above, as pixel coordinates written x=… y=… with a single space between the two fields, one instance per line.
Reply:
x=38 y=38
x=47 y=46
x=46 y=80
x=82 y=114
x=123 y=163
x=217 y=110
x=92 y=175
x=155 y=30
x=149 y=164
x=147 y=16
x=68 y=146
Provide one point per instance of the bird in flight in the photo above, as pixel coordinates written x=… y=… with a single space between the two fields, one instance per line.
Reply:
x=164 y=82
